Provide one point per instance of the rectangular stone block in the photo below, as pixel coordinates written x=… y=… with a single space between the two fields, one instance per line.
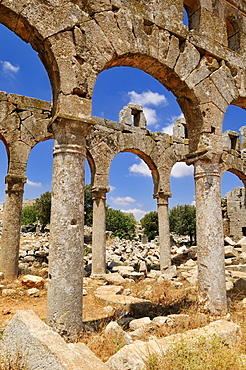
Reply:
x=29 y=343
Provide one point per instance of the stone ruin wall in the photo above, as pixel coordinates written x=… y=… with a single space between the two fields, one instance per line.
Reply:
x=234 y=213
x=202 y=64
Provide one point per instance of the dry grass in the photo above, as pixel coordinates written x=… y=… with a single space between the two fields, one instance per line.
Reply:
x=198 y=355
x=168 y=300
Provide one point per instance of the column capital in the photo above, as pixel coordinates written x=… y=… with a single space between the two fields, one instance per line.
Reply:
x=161 y=194
x=68 y=123
x=162 y=198
x=15 y=183
x=99 y=192
x=206 y=155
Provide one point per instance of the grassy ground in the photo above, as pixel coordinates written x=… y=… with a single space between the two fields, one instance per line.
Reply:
x=166 y=300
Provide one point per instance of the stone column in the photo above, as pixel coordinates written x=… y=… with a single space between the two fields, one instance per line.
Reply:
x=164 y=230
x=11 y=225
x=99 y=232
x=210 y=238
x=64 y=311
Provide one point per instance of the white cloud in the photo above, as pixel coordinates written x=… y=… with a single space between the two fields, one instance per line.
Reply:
x=112 y=188
x=147 y=98
x=151 y=116
x=8 y=68
x=168 y=129
x=138 y=213
x=140 y=168
x=193 y=203
x=31 y=183
x=122 y=201
x=181 y=169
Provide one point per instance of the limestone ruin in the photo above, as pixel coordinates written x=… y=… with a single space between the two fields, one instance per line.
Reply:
x=202 y=64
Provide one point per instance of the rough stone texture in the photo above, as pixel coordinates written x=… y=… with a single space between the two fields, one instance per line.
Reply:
x=203 y=65
x=136 y=306
x=133 y=356
x=29 y=343
x=234 y=213
x=99 y=232
x=64 y=311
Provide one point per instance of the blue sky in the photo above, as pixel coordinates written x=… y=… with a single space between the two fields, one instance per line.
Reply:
x=21 y=72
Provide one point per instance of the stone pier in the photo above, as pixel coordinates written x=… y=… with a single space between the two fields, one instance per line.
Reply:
x=164 y=230
x=11 y=225
x=210 y=239
x=64 y=311
x=99 y=232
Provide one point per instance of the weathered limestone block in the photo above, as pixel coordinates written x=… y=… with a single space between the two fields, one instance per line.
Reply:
x=209 y=24
x=135 y=306
x=109 y=289
x=31 y=281
x=206 y=66
x=187 y=61
x=29 y=343
x=224 y=82
x=138 y=323
x=57 y=18
x=133 y=356
x=110 y=28
x=208 y=92
x=173 y=52
x=92 y=45
x=64 y=48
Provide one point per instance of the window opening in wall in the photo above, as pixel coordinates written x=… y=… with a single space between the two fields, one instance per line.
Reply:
x=186 y=132
x=233 y=142
x=244 y=231
x=233 y=34
x=191 y=14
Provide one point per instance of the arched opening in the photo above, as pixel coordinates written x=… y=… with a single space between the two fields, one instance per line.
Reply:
x=131 y=185
x=119 y=86
x=233 y=33
x=191 y=14
x=21 y=70
x=182 y=178
x=3 y=173
x=39 y=170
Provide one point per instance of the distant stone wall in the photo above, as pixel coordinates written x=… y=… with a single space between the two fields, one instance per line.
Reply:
x=234 y=213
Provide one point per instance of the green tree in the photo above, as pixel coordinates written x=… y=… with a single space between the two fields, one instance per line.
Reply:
x=43 y=208
x=149 y=224
x=182 y=220
x=29 y=215
x=88 y=205
x=121 y=224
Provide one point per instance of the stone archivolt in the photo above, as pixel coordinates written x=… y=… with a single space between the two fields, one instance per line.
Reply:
x=202 y=64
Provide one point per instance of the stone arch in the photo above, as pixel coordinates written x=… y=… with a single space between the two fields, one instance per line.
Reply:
x=92 y=165
x=150 y=163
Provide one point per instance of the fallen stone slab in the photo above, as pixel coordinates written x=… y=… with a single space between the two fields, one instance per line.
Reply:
x=108 y=289
x=28 y=343
x=113 y=278
x=241 y=268
x=133 y=356
x=136 y=306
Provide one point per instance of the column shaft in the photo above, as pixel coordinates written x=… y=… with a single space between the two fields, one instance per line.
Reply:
x=164 y=230
x=210 y=238
x=99 y=233
x=64 y=311
x=11 y=225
